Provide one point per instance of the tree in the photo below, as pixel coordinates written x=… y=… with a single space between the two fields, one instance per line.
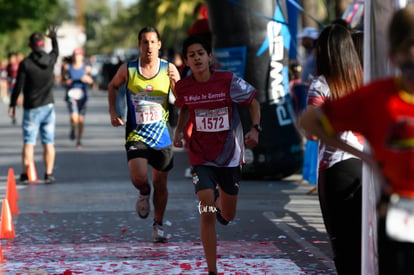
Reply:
x=14 y=11
x=171 y=17
x=21 y=17
x=323 y=10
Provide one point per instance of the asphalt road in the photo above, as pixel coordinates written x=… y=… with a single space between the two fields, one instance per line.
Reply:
x=85 y=223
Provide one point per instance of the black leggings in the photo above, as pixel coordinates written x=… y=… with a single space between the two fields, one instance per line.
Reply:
x=340 y=197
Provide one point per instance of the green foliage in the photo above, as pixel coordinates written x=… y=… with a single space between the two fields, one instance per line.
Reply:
x=171 y=17
x=19 y=18
x=14 y=11
x=107 y=27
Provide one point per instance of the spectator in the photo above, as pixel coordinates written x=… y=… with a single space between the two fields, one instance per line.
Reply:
x=36 y=79
x=4 y=90
x=308 y=37
x=339 y=181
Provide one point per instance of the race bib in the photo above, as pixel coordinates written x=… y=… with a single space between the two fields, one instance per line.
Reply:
x=75 y=93
x=400 y=219
x=215 y=120
x=148 y=114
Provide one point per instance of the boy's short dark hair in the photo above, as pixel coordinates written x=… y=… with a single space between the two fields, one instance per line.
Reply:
x=195 y=39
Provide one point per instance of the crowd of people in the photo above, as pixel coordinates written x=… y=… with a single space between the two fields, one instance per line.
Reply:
x=340 y=112
x=8 y=75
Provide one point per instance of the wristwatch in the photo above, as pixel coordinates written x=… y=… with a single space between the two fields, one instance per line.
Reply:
x=258 y=127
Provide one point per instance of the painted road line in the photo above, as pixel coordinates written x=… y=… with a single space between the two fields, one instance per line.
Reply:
x=299 y=239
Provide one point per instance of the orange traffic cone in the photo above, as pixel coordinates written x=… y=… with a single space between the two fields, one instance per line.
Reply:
x=31 y=172
x=1 y=255
x=11 y=196
x=11 y=183
x=7 y=226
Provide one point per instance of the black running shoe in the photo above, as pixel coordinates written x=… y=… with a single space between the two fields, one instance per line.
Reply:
x=220 y=218
x=72 y=134
x=24 y=179
x=49 y=179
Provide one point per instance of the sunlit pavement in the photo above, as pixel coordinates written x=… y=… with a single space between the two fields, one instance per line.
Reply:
x=85 y=223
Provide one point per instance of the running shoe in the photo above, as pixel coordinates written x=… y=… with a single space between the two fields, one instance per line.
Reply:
x=24 y=179
x=158 y=234
x=187 y=173
x=49 y=179
x=72 y=134
x=142 y=206
x=220 y=218
x=79 y=145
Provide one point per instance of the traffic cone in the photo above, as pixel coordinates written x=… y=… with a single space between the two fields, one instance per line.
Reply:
x=11 y=183
x=7 y=226
x=1 y=255
x=11 y=193
x=31 y=172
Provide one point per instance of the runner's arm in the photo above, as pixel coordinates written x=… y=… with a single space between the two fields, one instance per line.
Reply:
x=183 y=119
x=87 y=78
x=311 y=122
x=119 y=78
x=174 y=76
x=252 y=136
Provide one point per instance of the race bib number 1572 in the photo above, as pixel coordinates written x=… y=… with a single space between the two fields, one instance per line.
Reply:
x=215 y=120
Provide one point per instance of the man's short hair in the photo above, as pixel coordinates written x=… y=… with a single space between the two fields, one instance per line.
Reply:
x=148 y=29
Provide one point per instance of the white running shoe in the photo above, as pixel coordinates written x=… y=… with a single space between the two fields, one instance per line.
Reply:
x=187 y=173
x=142 y=206
x=158 y=234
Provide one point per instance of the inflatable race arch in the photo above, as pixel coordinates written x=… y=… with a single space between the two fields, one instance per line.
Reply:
x=252 y=39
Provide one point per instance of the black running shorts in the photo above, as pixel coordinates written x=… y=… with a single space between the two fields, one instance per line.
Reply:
x=160 y=159
x=207 y=177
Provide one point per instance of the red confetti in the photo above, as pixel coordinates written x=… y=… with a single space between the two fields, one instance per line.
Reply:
x=185 y=266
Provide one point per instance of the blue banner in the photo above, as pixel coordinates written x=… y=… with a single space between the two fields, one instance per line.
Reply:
x=232 y=59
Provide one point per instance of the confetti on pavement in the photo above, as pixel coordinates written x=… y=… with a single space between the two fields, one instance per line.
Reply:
x=144 y=258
